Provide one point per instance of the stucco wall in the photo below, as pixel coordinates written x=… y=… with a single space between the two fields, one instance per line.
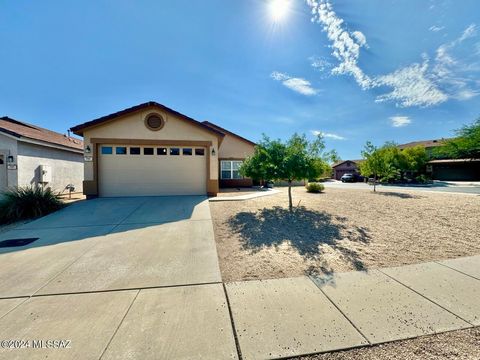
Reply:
x=133 y=127
x=8 y=146
x=235 y=148
x=66 y=167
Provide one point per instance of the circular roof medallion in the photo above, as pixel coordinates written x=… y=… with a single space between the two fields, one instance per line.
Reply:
x=154 y=122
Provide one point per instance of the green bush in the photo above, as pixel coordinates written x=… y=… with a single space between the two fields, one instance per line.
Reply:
x=27 y=203
x=315 y=187
x=423 y=179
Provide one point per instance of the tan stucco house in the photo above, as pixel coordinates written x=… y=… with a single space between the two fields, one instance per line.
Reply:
x=150 y=150
x=33 y=156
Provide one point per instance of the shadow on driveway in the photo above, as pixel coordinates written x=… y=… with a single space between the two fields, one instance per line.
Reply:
x=303 y=228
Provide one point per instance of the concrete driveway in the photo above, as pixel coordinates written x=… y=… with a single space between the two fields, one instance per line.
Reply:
x=94 y=262
x=113 y=244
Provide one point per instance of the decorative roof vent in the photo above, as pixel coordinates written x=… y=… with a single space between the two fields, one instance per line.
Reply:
x=154 y=121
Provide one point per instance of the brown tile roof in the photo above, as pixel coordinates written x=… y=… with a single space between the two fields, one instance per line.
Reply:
x=78 y=129
x=424 y=143
x=225 y=131
x=20 y=129
x=335 y=164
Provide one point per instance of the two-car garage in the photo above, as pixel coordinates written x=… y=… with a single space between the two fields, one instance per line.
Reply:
x=149 y=150
x=146 y=170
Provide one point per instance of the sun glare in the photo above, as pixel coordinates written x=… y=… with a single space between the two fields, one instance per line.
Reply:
x=279 y=9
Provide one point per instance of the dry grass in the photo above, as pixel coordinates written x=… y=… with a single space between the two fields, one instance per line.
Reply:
x=342 y=230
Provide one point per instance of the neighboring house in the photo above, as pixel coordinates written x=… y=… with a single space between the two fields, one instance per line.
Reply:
x=343 y=167
x=31 y=155
x=447 y=169
x=454 y=169
x=429 y=145
x=150 y=149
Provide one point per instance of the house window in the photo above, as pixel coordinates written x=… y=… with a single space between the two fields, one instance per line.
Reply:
x=174 y=151
x=134 y=151
x=200 y=152
x=161 y=151
x=147 y=151
x=187 y=151
x=230 y=169
x=121 y=150
x=107 y=150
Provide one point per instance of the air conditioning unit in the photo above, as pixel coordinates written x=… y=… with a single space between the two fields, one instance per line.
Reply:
x=45 y=174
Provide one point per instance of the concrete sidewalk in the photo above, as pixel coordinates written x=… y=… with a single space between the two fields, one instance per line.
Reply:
x=250 y=319
x=298 y=316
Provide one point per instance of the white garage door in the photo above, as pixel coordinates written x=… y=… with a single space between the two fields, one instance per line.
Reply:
x=133 y=170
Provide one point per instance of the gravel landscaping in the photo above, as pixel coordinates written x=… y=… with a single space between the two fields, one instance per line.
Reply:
x=455 y=345
x=342 y=230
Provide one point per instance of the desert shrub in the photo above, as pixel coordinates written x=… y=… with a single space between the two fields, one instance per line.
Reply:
x=27 y=203
x=315 y=187
x=422 y=179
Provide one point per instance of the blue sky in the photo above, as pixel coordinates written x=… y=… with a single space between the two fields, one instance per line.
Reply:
x=377 y=70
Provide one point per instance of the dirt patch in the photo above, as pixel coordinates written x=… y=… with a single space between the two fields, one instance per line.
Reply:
x=342 y=230
x=462 y=344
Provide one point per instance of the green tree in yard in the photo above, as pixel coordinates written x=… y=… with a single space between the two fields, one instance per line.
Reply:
x=465 y=146
x=373 y=163
x=414 y=159
x=295 y=159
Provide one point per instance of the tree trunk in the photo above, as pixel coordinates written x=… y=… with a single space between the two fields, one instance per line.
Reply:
x=290 y=205
x=375 y=183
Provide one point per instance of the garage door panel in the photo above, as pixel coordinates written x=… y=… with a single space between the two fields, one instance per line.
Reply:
x=150 y=175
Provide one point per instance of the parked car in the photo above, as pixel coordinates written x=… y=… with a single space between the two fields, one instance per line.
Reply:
x=348 y=178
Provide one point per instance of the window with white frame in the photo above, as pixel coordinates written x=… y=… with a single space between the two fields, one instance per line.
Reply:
x=230 y=169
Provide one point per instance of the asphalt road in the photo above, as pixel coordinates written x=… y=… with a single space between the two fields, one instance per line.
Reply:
x=457 y=187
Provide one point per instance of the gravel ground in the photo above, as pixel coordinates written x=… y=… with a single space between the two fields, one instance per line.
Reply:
x=342 y=230
x=455 y=345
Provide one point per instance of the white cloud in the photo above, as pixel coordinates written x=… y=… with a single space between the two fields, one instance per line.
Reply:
x=361 y=39
x=411 y=87
x=469 y=32
x=319 y=63
x=327 y=135
x=346 y=46
x=418 y=84
x=436 y=28
x=298 y=85
x=400 y=121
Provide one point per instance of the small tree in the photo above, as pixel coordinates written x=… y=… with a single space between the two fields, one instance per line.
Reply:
x=373 y=163
x=295 y=159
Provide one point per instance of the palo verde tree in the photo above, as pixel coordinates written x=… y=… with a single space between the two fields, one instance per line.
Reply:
x=294 y=159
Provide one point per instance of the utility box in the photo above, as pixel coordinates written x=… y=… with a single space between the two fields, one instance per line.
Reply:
x=45 y=174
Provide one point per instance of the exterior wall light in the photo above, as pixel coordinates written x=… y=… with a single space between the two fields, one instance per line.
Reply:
x=88 y=150
x=213 y=152
x=10 y=159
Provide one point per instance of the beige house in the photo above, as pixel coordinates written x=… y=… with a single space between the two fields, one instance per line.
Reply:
x=151 y=150
x=34 y=156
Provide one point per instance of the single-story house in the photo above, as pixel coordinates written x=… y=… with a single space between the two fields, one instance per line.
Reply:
x=150 y=149
x=454 y=169
x=343 y=167
x=31 y=155
x=447 y=169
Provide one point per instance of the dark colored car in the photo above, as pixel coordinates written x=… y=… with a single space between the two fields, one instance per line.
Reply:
x=348 y=178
